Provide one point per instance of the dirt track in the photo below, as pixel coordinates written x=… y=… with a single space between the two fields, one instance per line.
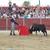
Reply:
x=31 y=42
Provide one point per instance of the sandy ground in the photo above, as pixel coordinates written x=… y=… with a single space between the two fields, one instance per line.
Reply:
x=30 y=42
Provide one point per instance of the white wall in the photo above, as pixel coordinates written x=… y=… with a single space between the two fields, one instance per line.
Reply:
x=20 y=2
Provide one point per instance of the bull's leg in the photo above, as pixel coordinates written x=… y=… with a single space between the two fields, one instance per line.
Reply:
x=30 y=31
x=36 y=32
x=45 y=33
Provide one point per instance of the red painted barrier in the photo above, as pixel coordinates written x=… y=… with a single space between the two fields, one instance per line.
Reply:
x=2 y=24
x=28 y=23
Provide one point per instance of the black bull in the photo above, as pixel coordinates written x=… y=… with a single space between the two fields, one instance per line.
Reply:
x=38 y=27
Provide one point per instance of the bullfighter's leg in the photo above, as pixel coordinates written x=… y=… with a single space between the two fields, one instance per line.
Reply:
x=11 y=33
x=13 y=29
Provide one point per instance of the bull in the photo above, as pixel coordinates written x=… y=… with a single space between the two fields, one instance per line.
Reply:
x=38 y=27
